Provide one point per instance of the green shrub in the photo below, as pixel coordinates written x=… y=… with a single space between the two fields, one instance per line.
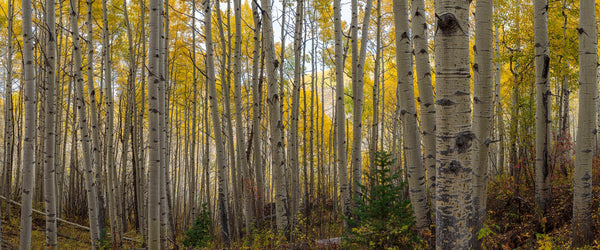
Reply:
x=199 y=235
x=383 y=216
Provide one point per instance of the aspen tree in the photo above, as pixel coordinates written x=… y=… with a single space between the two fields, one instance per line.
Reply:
x=586 y=125
x=340 y=116
x=256 y=114
x=9 y=133
x=50 y=137
x=276 y=124
x=542 y=111
x=453 y=122
x=90 y=185
x=375 y=122
x=482 y=111
x=358 y=74
x=408 y=115
x=426 y=100
x=28 y=157
x=214 y=106
x=96 y=160
x=293 y=140
x=246 y=183
x=154 y=167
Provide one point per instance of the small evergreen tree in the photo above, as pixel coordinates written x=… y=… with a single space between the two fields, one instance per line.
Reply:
x=199 y=235
x=383 y=216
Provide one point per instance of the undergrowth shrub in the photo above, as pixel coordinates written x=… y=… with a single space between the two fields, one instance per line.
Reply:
x=383 y=216
x=199 y=234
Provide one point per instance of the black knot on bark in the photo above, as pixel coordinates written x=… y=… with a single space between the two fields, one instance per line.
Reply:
x=448 y=23
x=464 y=141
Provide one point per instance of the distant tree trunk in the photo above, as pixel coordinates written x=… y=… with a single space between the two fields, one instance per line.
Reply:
x=90 y=187
x=28 y=160
x=9 y=132
x=154 y=137
x=256 y=114
x=586 y=125
x=408 y=115
x=453 y=122
x=50 y=137
x=482 y=111
x=293 y=140
x=542 y=115
x=246 y=183
x=375 y=122
x=498 y=103
x=340 y=113
x=276 y=124
x=214 y=106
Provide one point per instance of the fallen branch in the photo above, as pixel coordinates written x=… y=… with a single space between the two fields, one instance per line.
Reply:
x=63 y=220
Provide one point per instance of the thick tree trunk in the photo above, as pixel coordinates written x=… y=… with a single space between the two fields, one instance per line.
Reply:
x=453 y=122
x=586 y=125
x=482 y=111
x=542 y=114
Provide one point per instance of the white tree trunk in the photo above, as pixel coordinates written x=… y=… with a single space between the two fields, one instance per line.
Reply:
x=28 y=157
x=340 y=115
x=276 y=124
x=586 y=125
x=542 y=114
x=482 y=111
x=90 y=186
x=408 y=115
x=453 y=122
x=154 y=167
x=293 y=141
x=214 y=106
x=50 y=137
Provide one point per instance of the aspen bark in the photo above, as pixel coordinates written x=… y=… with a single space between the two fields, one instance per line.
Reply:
x=28 y=157
x=426 y=99
x=154 y=167
x=453 y=122
x=408 y=115
x=50 y=137
x=542 y=111
x=482 y=111
x=586 y=125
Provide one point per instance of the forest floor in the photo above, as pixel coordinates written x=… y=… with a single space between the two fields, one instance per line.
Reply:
x=69 y=237
x=511 y=221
